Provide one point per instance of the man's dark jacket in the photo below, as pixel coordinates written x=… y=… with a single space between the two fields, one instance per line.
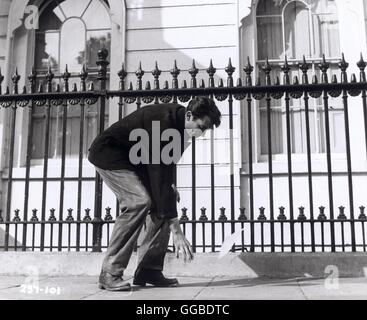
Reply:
x=110 y=151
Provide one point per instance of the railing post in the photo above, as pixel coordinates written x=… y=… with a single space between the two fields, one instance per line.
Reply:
x=248 y=70
x=15 y=79
x=97 y=220
x=267 y=69
x=286 y=69
x=324 y=66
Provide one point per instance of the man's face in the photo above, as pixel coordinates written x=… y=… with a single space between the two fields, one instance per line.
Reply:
x=196 y=127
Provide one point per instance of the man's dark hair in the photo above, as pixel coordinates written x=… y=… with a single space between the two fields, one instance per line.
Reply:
x=202 y=106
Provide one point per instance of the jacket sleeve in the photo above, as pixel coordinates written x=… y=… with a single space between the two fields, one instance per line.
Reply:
x=161 y=177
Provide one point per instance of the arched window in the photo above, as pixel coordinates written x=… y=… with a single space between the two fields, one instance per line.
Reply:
x=70 y=33
x=296 y=29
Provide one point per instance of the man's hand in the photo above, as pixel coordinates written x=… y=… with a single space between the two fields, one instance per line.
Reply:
x=176 y=192
x=180 y=242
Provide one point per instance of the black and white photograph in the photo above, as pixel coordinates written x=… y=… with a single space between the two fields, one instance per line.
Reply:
x=178 y=156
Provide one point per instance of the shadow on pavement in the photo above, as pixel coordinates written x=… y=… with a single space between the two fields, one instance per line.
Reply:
x=245 y=282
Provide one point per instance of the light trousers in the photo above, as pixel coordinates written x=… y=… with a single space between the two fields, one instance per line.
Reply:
x=135 y=204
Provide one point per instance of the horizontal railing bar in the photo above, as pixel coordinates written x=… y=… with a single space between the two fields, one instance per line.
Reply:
x=197 y=221
x=238 y=90
x=50 y=222
x=274 y=220
x=355 y=173
x=187 y=91
x=268 y=245
x=301 y=174
x=51 y=95
x=50 y=179
x=288 y=245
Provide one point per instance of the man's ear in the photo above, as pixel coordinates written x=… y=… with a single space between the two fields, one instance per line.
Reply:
x=188 y=115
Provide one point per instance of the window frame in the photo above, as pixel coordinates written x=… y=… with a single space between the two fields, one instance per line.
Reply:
x=314 y=60
x=21 y=52
x=92 y=75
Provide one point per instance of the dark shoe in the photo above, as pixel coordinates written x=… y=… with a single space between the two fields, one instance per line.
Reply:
x=153 y=277
x=110 y=282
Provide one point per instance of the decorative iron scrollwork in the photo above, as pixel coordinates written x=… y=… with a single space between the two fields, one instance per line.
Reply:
x=184 y=98
x=6 y=104
x=334 y=93
x=315 y=94
x=165 y=99
x=277 y=95
x=90 y=101
x=258 y=95
x=147 y=100
x=22 y=103
x=40 y=103
x=130 y=99
x=74 y=101
x=239 y=96
x=355 y=92
x=56 y=102
x=221 y=96
x=296 y=94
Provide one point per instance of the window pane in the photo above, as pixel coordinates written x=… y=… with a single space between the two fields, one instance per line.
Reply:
x=67 y=43
x=269 y=7
x=72 y=48
x=95 y=41
x=73 y=8
x=298 y=41
x=326 y=29
x=269 y=38
x=96 y=16
x=326 y=35
x=276 y=130
x=73 y=127
x=51 y=18
x=297 y=30
x=47 y=50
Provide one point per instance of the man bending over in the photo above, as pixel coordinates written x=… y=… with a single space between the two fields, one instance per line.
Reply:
x=134 y=158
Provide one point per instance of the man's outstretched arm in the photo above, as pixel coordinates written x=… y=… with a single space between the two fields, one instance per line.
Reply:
x=179 y=240
x=161 y=180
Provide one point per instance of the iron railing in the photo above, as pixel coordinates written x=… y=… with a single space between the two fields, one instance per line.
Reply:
x=277 y=232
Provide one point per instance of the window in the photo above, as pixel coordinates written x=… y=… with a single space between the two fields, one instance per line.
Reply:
x=297 y=28
x=70 y=33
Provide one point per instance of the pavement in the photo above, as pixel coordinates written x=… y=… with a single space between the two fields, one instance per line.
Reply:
x=191 y=288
